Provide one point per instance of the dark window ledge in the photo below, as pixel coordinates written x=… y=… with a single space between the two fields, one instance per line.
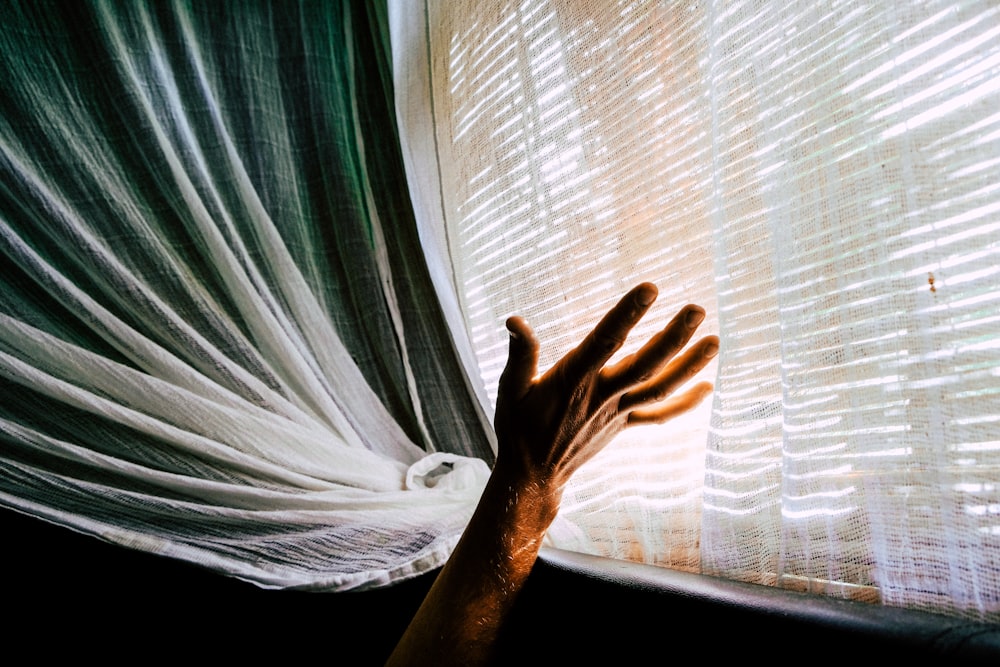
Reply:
x=578 y=609
x=97 y=599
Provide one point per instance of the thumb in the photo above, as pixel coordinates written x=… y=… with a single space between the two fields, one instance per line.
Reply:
x=522 y=361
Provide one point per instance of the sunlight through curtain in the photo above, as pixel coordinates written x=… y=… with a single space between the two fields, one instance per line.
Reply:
x=218 y=338
x=822 y=178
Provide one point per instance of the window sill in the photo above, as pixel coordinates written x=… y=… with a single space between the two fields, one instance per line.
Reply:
x=583 y=608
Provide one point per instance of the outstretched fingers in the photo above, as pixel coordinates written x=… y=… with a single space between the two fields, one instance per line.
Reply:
x=654 y=355
x=610 y=333
x=676 y=405
x=677 y=372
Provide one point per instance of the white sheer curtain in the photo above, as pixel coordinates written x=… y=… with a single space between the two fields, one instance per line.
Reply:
x=820 y=176
x=218 y=341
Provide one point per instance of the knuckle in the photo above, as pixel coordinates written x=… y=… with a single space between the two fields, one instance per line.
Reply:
x=608 y=345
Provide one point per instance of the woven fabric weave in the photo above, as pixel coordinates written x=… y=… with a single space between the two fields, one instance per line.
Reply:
x=218 y=340
x=822 y=178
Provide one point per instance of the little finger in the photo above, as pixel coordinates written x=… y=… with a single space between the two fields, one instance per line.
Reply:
x=676 y=405
x=677 y=372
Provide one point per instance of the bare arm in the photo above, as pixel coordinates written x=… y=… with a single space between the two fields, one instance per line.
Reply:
x=547 y=427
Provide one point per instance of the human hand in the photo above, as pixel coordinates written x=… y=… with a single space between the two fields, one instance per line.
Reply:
x=547 y=427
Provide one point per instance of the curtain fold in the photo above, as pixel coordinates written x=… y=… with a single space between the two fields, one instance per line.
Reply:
x=821 y=176
x=217 y=337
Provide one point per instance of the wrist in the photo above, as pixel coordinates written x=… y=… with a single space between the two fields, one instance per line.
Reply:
x=528 y=502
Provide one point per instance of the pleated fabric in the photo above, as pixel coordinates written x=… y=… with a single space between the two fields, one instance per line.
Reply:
x=218 y=336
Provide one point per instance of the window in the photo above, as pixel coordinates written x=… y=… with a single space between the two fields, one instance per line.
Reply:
x=820 y=178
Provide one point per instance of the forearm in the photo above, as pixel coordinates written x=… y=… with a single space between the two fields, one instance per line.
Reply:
x=459 y=620
x=547 y=427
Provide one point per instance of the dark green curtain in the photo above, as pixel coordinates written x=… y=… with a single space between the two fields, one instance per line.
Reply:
x=203 y=214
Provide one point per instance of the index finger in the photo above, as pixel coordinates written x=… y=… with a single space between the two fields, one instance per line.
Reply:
x=610 y=333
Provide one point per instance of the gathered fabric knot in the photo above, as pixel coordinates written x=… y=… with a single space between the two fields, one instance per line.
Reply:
x=450 y=472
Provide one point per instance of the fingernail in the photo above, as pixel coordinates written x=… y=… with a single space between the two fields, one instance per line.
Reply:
x=711 y=350
x=694 y=318
x=645 y=297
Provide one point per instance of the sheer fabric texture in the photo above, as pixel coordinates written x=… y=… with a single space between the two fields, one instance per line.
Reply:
x=822 y=178
x=218 y=338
